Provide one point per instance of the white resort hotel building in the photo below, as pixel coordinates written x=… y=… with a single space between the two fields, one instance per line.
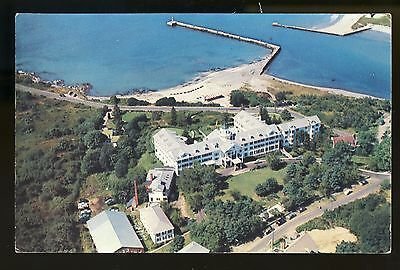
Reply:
x=227 y=146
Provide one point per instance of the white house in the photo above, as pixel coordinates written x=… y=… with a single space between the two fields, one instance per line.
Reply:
x=249 y=137
x=158 y=183
x=156 y=224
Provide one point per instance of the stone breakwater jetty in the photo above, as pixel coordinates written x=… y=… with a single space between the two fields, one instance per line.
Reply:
x=321 y=31
x=274 y=48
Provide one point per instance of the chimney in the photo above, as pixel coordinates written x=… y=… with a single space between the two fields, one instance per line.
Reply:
x=135 y=201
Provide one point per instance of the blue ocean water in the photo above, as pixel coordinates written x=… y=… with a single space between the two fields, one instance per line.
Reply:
x=116 y=53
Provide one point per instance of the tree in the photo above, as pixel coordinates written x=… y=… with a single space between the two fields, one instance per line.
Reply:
x=121 y=167
x=308 y=159
x=136 y=102
x=268 y=187
x=238 y=99
x=382 y=155
x=94 y=139
x=106 y=158
x=236 y=195
x=285 y=115
x=155 y=115
x=177 y=243
x=166 y=101
x=347 y=247
x=385 y=185
x=173 y=117
x=274 y=161
x=280 y=96
x=90 y=162
x=118 y=120
x=114 y=100
x=365 y=141
x=265 y=116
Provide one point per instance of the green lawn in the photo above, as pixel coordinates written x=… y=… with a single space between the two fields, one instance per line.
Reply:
x=178 y=131
x=128 y=116
x=245 y=183
x=148 y=161
x=361 y=161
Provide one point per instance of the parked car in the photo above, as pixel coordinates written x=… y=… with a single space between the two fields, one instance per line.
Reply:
x=83 y=218
x=301 y=209
x=83 y=205
x=280 y=221
x=268 y=230
x=347 y=191
x=85 y=211
x=292 y=215
x=362 y=182
x=109 y=201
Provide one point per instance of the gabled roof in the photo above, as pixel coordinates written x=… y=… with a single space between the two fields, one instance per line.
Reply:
x=111 y=231
x=194 y=247
x=346 y=139
x=154 y=220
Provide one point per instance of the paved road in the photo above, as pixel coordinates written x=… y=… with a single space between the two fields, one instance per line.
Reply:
x=372 y=186
x=95 y=104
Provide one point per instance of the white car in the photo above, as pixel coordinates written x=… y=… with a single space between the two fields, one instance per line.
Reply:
x=86 y=211
x=82 y=205
x=347 y=191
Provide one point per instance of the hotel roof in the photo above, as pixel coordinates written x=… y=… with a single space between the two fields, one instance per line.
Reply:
x=155 y=220
x=111 y=231
x=299 y=123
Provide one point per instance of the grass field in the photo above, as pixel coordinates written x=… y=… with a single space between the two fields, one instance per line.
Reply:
x=361 y=161
x=148 y=161
x=128 y=116
x=246 y=183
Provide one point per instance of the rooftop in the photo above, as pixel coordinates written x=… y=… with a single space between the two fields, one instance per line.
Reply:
x=111 y=231
x=194 y=247
x=155 y=220
x=301 y=122
x=162 y=177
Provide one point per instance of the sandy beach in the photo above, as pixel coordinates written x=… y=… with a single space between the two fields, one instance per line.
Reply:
x=246 y=77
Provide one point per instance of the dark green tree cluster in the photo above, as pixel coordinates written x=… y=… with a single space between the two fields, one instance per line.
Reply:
x=285 y=115
x=268 y=187
x=382 y=155
x=166 y=101
x=228 y=223
x=200 y=185
x=343 y=112
x=177 y=243
x=303 y=180
x=136 y=102
x=265 y=116
x=274 y=161
x=238 y=99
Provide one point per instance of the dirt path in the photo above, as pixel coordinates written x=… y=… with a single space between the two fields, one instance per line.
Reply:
x=384 y=127
x=327 y=240
x=181 y=204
